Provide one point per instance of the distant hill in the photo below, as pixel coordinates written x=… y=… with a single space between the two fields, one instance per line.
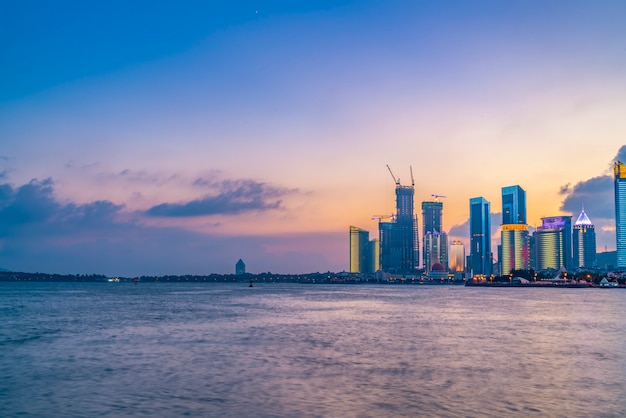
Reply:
x=3 y=269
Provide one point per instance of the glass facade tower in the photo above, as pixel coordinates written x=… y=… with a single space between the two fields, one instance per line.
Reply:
x=584 y=242
x=480 y=236
x=359 y=250
x=554 y=243
x=513 y=205
x=399 y=244
x=620 y=213
x=431 y=223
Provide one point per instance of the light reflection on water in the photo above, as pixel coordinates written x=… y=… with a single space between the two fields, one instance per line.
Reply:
x=310 y=350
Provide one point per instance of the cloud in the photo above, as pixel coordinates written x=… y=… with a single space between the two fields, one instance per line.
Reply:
x=595 y=195
x=40 y=233
x=234 y=197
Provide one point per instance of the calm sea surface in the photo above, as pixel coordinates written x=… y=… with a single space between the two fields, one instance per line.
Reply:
x=226 y=350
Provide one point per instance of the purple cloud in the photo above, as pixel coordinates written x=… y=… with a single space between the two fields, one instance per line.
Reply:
x=234 y=197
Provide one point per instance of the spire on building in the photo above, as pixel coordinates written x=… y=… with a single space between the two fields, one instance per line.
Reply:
x=583 y=219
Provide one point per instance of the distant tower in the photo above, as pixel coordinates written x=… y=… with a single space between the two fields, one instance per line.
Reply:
x=359 y=251
x=515 y=243
x=513 y=205
x=480 y=236
x=399 y=239
x=584 y=242
x=431 y=223
x=435 y=250
x=554 y=243
x=374 y=251
x=456 y=258
x=620 y=213
x=240 y=268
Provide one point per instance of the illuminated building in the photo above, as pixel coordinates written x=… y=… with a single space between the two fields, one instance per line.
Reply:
x=515 y=248
x=514 y=251
x=513 y=205
x=240 y=268
x=399 y=245
x=431 y=222
x=553 y=243
x=359 y=250
x=620 y=213
x=480 y=236
x=584 y=242
x=435 y=250
x=456 y=258
x=374 y=254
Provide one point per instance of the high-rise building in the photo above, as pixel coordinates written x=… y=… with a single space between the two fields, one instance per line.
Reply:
x=513 y=205
x=431 y=222
x=514 y=251
x=515 y=248
x=240 y=268
x=359 y=250
x=399 y=244
x=456 y=258
x=620 y=213
x=480 y=236
x=374 y=251
x=553 y=243
x=584 y=242
x=435 y=250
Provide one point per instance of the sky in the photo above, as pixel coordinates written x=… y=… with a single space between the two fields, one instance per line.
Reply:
x=153 y=137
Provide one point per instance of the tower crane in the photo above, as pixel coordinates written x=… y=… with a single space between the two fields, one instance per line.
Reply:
x=379 y=218
x=396 y=179
x=412 y=179
x=438 y=196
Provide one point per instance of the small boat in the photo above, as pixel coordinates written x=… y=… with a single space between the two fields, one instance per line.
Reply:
x=250 y=283
x=608 y=284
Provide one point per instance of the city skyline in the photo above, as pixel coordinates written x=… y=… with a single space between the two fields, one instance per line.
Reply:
x=196 y=135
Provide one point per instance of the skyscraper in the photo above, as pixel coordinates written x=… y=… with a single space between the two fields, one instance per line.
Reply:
x=456 y=259
x=515 y=248
x=431 y=223
x=554 y=243
x=513 y=205
x=480 y=236
x=584 y=242
x=399 y=244
x=435 y=250
x=359 y=250
x=620 y=212
x=515 y=244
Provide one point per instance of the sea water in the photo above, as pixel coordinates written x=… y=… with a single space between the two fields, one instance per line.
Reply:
x=294 y=350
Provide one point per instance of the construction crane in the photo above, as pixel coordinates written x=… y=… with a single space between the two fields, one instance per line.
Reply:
x=438 y=196
x=396 y=179
x=379 y=218
x=412 y=179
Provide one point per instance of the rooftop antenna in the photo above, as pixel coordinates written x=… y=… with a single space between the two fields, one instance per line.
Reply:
x=397 y=180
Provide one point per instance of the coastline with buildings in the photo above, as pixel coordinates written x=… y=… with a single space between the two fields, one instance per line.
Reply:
x=554 y=246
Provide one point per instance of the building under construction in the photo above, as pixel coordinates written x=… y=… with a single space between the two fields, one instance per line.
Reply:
x=399 y=242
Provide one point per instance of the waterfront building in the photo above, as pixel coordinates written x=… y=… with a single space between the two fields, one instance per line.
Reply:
x=584 y=242
x=359 y=250
x=399 y=244
x=554 y=243
x=456 y=258
x=515 y=248
x=620 y=213
x=514 y=251
x=435 y=250
x=480 y=236
x=374 y=254
x=240 y=268
x=431 y=222
x=513 y=205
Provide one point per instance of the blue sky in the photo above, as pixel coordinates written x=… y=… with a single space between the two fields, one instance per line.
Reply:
x=174 y=138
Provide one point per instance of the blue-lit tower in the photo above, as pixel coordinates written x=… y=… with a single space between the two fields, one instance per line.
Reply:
x=584 y=242
x=480 y=236
x=620 y=213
